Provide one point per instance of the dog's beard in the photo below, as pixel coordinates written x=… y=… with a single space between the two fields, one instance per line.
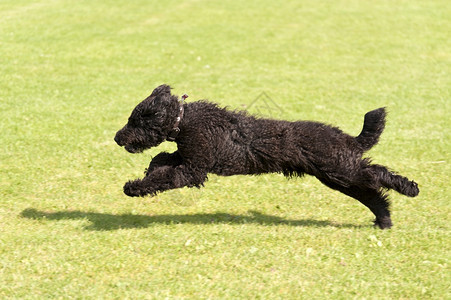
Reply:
x=135 y=148
x=138 y=147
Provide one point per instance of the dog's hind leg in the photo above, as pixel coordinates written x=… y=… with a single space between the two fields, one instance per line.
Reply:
x=375 y=200
x=393 y=181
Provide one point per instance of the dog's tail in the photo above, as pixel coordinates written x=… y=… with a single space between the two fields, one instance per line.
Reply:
x=373 y=126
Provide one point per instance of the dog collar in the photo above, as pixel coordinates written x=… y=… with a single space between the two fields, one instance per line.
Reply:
x=176 y=130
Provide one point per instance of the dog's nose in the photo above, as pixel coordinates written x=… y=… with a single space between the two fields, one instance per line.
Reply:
x=117 y=140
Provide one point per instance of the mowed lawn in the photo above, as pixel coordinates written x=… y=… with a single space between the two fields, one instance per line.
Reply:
x=72 y=71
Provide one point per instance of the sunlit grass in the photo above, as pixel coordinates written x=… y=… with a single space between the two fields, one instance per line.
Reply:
x=70 y=73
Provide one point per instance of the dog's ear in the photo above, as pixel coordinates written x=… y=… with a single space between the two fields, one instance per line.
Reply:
x=162 y=89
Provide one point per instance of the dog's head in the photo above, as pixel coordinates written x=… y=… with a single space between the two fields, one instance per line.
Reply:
x=150 y=122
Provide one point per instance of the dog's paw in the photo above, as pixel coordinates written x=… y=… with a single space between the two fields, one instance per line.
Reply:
x=138 y=189
x=383 y=223
x=412 y=190
x=131 y=189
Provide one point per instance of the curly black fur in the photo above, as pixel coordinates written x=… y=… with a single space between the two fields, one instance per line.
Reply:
x=220 y=141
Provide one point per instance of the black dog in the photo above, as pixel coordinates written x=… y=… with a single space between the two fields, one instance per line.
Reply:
x=215 y=140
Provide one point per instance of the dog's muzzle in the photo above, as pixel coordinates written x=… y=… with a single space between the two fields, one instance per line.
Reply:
x=118 y=140
x=122 y=140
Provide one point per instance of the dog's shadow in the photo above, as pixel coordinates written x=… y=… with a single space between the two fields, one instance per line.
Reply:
x=102 y=221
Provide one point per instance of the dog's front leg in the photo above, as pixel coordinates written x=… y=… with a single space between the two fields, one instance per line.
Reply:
x=164 y=159
x=165 y=178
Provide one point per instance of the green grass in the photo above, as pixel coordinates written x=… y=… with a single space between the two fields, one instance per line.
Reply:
x=70 y=73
